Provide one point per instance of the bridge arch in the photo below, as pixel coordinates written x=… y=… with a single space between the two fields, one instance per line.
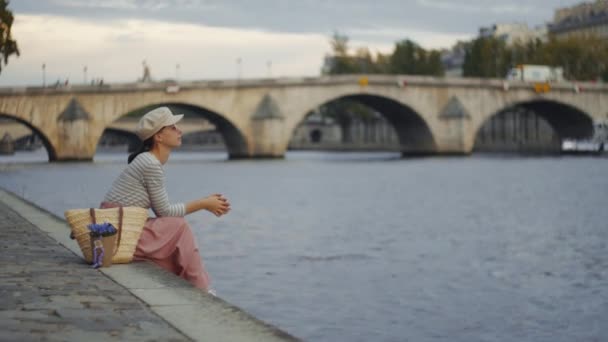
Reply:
x=131 y=138
x=566 y=120
x=414 y=133
x=233 y=137
x=50 y=149
x=204 y=136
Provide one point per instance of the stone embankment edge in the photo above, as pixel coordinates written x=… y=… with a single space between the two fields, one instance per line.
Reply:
x=199 y=316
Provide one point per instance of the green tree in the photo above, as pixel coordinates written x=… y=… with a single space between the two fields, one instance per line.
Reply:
x=364 y=62
x=339 y=62
x=339 y=44
x=403 y=59
x=582 y=58
x=8 y=46
x=434 y=65
x=486 y=57
x=410 y=58
x=383 y=63
x=531 y=52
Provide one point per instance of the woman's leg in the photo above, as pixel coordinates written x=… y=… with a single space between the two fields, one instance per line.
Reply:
x=169 y=242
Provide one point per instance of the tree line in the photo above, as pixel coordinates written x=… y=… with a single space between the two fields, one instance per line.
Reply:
x=582 y=58
x=407 y=58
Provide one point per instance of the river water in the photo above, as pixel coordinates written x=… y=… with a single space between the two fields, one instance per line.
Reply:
x=372 y=247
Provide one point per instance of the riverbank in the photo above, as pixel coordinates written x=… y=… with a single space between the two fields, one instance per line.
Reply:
x=48 y=292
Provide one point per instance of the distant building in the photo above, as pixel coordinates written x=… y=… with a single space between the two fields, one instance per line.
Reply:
x=512 y=33
x=582 y=20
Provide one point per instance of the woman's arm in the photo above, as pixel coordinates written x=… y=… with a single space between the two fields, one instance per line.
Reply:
x=216 y=204
x=154 y=180
x=159 y=200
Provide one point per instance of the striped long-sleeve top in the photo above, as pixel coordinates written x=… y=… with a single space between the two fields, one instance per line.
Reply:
x=142 y=184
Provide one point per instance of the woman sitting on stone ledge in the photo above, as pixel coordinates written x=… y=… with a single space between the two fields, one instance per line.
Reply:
x=167 y=239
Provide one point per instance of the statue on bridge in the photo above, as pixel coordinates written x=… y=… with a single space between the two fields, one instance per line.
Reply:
x=146 y=76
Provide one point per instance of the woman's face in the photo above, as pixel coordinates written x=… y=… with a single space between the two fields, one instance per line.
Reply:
x=170 y=136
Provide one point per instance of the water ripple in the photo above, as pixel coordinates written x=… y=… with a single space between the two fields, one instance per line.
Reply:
x=310 y=258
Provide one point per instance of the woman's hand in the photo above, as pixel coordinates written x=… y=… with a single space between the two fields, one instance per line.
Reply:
x=217 y=204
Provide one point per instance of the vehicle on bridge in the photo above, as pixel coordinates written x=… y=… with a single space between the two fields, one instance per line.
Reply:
x=536 y=73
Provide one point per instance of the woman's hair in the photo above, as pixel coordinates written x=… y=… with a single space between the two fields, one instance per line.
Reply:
x=145 y=146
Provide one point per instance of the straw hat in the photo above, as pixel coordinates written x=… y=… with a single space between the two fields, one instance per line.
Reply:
x=154 y=120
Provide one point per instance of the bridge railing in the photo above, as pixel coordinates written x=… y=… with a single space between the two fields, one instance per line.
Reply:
x=370 y=80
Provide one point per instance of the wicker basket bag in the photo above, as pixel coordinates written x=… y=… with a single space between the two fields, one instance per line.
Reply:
x=129 y=221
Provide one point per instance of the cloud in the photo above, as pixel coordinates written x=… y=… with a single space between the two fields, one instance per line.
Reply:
x=308 y=16
x=153 y=5
x=114 y=51
x=389 y=36
x=498 y=7
x=89 y=4
x=205 y=37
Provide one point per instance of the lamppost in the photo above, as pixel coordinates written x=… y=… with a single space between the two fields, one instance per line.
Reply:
x=176 y=72
x=238 y=68
x=43 y=75
x=84 y=70
x=269 y=66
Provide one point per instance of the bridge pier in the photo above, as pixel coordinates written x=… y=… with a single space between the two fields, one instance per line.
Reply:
x=269 y=135
x=77 y=140
x=268 y=138
x=453 y=129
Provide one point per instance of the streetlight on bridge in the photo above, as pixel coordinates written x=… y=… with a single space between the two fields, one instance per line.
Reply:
x=238 y=68
x=269 y=66
x=84 y=70
x=176 y=72
x=43 y=75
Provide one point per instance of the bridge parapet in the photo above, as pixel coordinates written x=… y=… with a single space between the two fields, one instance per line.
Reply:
x=371 y=80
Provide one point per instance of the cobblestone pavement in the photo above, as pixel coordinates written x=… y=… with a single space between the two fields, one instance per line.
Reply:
x=48 y=294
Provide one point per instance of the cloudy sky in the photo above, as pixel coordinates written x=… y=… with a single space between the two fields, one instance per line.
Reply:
x=206 y=39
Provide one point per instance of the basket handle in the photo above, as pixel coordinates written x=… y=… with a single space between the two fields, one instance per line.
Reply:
x=120 y=215
x=92 y=213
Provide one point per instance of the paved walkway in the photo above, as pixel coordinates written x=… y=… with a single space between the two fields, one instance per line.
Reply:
x=48 y=293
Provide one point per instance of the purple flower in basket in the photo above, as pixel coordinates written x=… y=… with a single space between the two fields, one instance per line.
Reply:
x=98 y=253
x=99 y=230
x=102 y=229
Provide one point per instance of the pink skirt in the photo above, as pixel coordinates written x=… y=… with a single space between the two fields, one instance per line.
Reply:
x=168 y=242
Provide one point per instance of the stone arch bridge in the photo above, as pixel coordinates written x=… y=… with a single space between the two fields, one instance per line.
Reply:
x=257 y=118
